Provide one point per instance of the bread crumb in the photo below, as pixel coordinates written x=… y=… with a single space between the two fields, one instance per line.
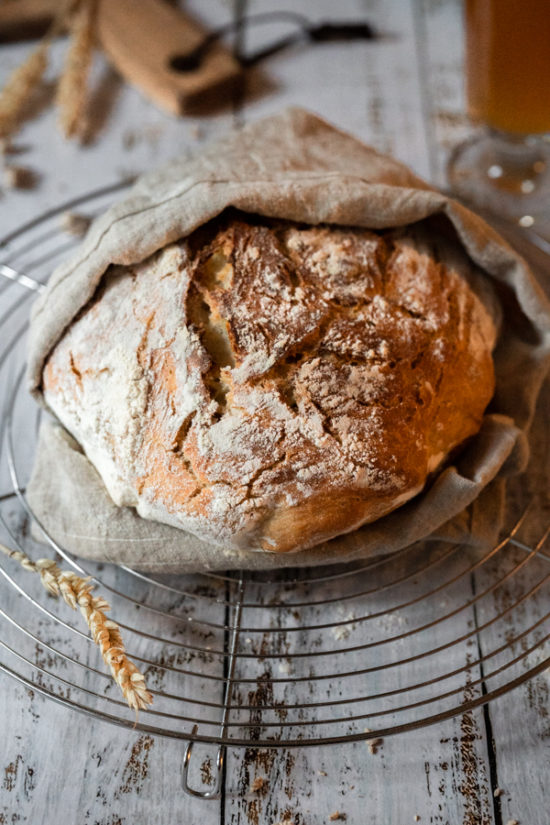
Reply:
x=322 y=773
x=75 y=223
x=512 y=822
x=19 y=177
x=498 y=792
x=337 y=816
x=416 y=818
x=259 y=783
x=373 y=744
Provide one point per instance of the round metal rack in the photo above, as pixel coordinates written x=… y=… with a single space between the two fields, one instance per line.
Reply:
x=301 y=657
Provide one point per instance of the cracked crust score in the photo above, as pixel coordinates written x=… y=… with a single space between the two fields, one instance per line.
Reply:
x=268 y=385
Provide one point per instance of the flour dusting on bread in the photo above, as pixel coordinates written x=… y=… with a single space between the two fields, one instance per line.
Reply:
x=270 y=385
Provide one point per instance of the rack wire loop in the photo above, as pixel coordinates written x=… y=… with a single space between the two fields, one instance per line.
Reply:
x=215 y=792
x=211 y=793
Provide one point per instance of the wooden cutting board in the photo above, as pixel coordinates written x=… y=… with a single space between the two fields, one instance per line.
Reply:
x=141 y=37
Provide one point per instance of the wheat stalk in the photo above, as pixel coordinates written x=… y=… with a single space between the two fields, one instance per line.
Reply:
x=19 y=87
x=77 y=593
x=71 y=91
x=25 y=79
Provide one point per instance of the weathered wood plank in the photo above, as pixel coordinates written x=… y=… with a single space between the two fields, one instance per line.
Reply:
x=519 y=722
x=57 y=764
x=440 y=46
x=370 y=88
x=436 y=772
x=518 y=730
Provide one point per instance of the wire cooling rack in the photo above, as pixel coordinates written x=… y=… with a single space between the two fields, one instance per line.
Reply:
x=303 y=657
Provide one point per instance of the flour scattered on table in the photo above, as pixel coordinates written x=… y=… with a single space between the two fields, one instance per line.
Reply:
x=75 y=223
x=342 y=631
x=391 y=622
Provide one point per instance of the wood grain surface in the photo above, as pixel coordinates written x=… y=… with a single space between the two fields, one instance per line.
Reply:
x=403 y=94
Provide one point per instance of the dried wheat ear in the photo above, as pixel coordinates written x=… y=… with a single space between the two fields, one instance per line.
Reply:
x=19 y=88
x=71 y=90
x=23 y=82
x=77 y=592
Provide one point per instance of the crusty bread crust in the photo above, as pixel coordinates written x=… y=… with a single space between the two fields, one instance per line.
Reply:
x=268 y=385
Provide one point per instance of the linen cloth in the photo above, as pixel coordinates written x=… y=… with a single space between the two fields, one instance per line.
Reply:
x=295 y=166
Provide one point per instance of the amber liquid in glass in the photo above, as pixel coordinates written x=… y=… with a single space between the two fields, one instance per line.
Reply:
x=508 y=64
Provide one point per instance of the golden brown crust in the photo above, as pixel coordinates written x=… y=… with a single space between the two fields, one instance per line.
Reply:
x=268 y=385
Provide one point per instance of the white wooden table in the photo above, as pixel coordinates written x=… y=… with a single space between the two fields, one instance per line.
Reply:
x=403 y=94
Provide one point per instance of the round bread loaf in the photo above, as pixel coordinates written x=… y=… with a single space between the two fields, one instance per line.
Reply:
x=270 y=385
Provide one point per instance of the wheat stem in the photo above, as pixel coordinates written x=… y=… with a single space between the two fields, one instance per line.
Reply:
x=71 y=91
x=77 y=593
